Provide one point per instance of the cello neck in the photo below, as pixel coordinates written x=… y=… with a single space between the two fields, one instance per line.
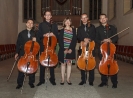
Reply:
x=108 y=48
x=89 y=23
x=35 y=29
x=32 y=45
x=50 y=27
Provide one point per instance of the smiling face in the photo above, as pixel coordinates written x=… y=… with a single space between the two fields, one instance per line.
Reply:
x=29 y=24
x=67 y=22
x=48 y=16
x=103 y=19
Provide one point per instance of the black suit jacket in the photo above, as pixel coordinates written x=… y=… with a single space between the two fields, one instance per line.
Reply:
x=22 y=39
x=102 y=33
x=89 y=33
x=44 y=28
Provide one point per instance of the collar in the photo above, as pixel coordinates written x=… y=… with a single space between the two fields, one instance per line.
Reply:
x=29 y=30
x=84 y=25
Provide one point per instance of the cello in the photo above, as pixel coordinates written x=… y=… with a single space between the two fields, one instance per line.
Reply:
x=28 y=63
x=108 y=66
x=86 y=61
x=48 y=57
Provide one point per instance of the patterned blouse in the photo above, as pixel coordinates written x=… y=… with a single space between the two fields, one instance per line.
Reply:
x=68 y=34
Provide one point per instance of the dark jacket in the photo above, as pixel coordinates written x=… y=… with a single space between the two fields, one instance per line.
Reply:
x=22 y=39
x=62 y=49
x=89 y=33
x=102 y=33
x=44 y=28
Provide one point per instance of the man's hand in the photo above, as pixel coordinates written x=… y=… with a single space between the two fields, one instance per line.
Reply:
x=34 y=39
x=107 y=40
x=49 y=34
x=16 y=56
x=85 y=43
x=87 y=40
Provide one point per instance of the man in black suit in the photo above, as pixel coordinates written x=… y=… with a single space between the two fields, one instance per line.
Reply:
x=23 y=37
x=44 y=29
x=103 y=32
x=86 y=33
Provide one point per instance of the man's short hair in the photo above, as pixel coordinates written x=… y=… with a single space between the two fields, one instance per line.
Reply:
x=84 y=14
x=103 y=14
x=46 y=12
x=30 y=19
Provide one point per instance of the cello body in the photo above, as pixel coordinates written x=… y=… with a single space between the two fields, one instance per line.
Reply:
x=28 y=63
x=108 y=66
x=48 y=57
x=86 y=61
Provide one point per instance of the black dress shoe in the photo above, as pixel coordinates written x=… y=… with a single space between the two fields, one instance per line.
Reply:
x=40 y=83
x=18 y=86
x=52 y=82
x=114 y=86
x=81 y=83
x=69 y=83
x=91 y=83
x=102 y=84
x=32 y=85
x=61 y=83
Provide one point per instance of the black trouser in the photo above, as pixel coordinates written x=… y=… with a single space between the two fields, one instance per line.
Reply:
x=84 y=76
x=42 y=73
x=104 y=79
x=21 y=75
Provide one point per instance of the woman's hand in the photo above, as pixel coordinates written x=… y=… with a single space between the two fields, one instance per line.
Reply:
x=66 y=51
x=69 y=51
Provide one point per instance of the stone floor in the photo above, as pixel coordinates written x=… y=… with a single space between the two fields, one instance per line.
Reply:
x=124 y=90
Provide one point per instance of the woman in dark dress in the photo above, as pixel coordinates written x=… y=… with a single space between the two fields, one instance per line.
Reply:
x=67 y=44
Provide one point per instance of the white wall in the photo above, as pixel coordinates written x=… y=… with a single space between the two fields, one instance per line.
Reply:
x=105 y=6
x=21 y=24
x=123 y=21
x=8 y=21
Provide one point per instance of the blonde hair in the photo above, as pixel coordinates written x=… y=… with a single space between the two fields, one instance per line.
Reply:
x=67 y=18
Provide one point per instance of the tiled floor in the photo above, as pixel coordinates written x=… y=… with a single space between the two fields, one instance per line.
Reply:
x=124 y=90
